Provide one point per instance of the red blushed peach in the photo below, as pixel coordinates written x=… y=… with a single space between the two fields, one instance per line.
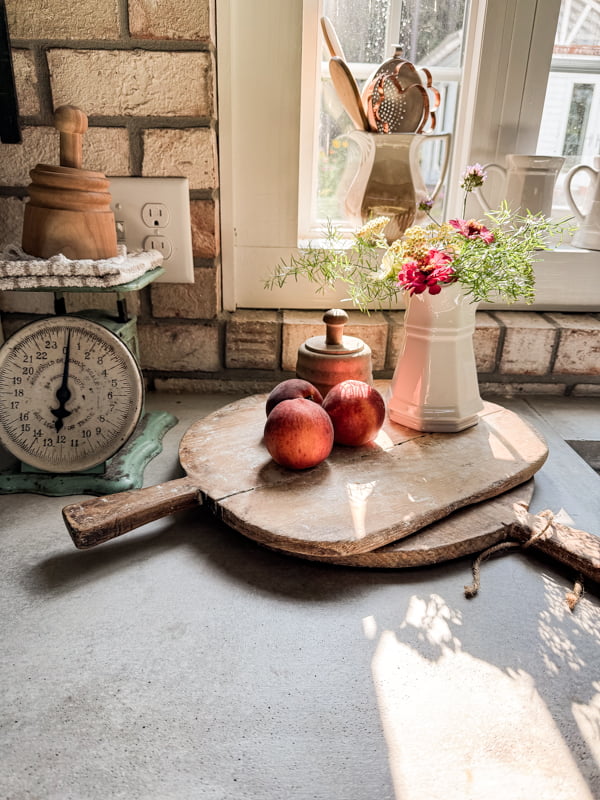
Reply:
x=298 y=433
x=357 y=412
x=290 y=389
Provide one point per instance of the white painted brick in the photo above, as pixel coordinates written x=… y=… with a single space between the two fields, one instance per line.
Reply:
x=27 y=302
x=106 y=150
x=57 y=19
x=211 y=385
x=103 y=301
x=517 y=389
x=528 y=343
x=26 y=82
x=204 y=216
x=396 y=338
x=198 y=300
x=191 y=153
x=579 y=346
x=298 y=326
x=39 y=146
x=133 y=83
x=12 y=210
x=252 y=340
x=171 y=19
x=485 y=341
x=587 y=390
x=179 y=348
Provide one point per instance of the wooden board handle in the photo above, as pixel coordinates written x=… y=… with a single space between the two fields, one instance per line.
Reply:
x=72 y=123
x=577 y=549
x=100 y=519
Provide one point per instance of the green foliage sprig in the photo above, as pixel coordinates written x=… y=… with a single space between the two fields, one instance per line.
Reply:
x=357 y=266
x=490 y=263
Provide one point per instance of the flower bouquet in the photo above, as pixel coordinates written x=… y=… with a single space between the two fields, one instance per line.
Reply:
x=490 y=261
x=444 y=270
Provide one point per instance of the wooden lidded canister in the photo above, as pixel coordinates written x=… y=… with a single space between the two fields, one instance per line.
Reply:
x=69 y=208
x=327 y=360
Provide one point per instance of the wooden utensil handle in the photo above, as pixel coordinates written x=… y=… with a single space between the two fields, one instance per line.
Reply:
x=72 y=123
x=577 y=549
x=100 y=519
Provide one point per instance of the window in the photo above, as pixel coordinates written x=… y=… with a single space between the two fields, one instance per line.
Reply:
x=570 y=125
x=429 y=34
x=267 y=64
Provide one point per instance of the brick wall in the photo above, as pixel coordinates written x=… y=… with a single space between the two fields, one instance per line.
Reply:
x=144 y=73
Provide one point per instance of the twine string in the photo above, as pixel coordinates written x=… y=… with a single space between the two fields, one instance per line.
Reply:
x=473 y=588
x=572 y=597
x=575 y=595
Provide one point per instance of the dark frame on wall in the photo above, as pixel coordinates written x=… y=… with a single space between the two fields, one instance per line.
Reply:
x=10 y=132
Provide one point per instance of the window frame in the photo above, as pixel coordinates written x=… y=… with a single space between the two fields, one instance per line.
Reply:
x=267 y=59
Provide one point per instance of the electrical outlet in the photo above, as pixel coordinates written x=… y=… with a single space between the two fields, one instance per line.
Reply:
x=160 y=243
x=154 y=214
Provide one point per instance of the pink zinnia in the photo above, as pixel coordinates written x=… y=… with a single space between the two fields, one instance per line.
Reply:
x=427 y=274
x=471 y=229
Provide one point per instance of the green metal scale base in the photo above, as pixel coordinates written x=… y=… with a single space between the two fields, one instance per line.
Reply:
x=125 y=470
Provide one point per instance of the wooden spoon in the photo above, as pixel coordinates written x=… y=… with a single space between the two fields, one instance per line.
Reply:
x=331 y=39
x=347 y=91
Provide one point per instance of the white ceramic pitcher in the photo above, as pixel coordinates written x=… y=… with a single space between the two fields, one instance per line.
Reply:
x=386 y=178
x=529 y=183
x=588 y=235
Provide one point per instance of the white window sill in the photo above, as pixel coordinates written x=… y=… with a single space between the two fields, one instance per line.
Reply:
x=567 y=279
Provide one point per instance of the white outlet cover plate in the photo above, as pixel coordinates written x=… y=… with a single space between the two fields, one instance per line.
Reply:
x=130 y=195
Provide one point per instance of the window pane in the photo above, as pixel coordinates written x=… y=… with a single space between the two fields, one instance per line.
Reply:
x=579 y=112
x=361 y=27
x=571 y=119
x=430 y=33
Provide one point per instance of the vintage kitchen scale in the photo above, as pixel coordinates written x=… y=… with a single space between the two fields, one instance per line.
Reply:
x=71 y=389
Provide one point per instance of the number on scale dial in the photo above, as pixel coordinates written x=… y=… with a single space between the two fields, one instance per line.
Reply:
x=71 y=394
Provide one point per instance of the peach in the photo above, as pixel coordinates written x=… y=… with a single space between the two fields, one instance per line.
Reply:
x=290 y=389
x=357 y=411
x=298 y=433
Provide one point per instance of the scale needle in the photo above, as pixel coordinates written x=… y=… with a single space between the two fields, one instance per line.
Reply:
x=63 y=395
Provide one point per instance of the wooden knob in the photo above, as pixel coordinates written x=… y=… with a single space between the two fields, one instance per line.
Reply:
x=71 y=123
x=334 y=320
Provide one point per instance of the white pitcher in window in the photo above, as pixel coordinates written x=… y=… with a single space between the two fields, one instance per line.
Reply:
x=386 y=177
x=588 y=235
x=528 y=183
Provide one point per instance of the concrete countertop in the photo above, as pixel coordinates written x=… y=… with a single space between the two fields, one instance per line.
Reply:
x=184 y=661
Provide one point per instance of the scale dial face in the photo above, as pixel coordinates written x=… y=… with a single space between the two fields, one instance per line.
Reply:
x=71 y=394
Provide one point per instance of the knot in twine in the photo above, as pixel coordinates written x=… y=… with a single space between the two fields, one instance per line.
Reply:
x=572 y=597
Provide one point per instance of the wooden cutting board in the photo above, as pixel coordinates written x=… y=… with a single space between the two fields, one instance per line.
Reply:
x=362 y=498
x=465 y=532
x=357 y=500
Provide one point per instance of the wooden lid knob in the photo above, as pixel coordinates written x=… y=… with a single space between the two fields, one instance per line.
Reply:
x=334 y=320
x=71 y=123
